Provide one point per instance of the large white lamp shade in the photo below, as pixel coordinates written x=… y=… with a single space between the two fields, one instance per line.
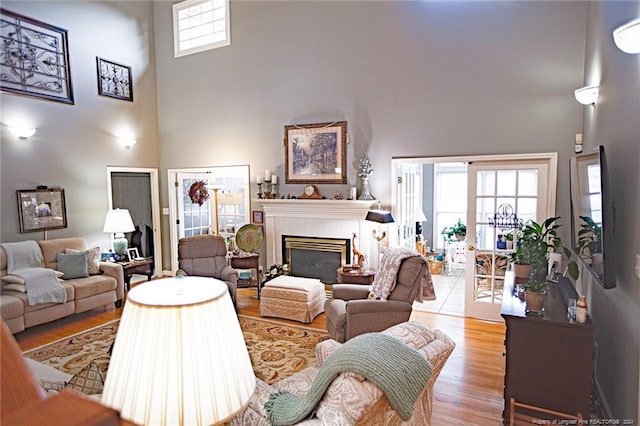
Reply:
x=179 y=357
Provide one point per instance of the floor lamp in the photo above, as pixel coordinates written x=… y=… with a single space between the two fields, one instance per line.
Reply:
x=379 y=217
x=215 y=189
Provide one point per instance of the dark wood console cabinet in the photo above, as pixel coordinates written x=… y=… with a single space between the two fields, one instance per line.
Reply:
x=549 y=357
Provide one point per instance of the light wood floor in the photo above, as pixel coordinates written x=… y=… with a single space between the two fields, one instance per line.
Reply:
x=468 y=391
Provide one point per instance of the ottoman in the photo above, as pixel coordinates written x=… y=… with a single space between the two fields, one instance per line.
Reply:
x=294 y=298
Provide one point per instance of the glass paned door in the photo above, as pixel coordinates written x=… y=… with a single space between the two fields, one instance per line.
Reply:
x=193 y=219
x=498 y=187
x=409 y=193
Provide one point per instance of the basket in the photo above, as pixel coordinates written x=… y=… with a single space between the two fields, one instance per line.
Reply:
x=435 y=266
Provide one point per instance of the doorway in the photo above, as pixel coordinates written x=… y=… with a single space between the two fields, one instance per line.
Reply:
x=223 y=212
x=137 y=190
x=470 y=189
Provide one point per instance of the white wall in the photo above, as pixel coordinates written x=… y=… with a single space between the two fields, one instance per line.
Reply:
x=410 y=78
x=74 y=144
x=614 y=123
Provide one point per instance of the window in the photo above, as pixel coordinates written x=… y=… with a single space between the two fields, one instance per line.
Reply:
x=200 y=25
x=450 y=197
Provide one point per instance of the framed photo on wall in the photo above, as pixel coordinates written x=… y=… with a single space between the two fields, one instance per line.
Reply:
x=41 y=209
x=35 y=58
x=257 y=216
x=114 y=80
x=316 y=153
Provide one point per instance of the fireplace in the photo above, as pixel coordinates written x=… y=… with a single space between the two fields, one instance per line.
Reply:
x=315 y=257
x=324 y=219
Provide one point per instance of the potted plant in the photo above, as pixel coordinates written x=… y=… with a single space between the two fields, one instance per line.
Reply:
x=457 y=232
x=534 y=293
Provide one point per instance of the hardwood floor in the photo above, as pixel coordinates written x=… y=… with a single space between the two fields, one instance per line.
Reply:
x=468 y=391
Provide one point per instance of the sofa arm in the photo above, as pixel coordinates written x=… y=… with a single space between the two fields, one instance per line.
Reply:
x=350 y=291
x=115 y=270
x=324 y=349
x=229 y=274
x=254 y=413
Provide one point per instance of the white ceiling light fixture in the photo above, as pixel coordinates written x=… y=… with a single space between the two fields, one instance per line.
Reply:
x=587 y=95
x=22 y=132
x=627 y=37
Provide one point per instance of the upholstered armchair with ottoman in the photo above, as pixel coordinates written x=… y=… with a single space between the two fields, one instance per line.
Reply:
x=351 y=399
x=206 y=256
x=350 y=312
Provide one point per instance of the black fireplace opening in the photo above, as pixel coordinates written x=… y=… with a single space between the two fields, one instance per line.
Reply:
x=316 y=257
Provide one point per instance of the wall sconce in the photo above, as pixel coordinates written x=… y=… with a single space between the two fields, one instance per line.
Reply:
x=627 y=37
x=22 y=132
x=587 y=95
x=127 y=142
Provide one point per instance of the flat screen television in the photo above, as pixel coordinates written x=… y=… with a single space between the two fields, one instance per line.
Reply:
x=592 y=216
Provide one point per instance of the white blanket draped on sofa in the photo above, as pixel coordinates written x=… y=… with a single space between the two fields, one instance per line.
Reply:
x=24 y=260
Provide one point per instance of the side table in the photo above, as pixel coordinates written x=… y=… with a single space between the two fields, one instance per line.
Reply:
x=356 y=276
x=141 y=267
x=247 y=261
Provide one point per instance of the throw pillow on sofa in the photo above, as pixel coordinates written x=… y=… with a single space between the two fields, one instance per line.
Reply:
x=73 y=265
x=16 y=283
x=93 y=255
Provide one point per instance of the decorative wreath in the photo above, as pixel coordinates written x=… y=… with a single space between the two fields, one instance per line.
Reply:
x=198 y=192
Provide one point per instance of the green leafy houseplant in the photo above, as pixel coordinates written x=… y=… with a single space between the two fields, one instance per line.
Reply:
x=536 y=241
x=456 y=232
x=536 y=286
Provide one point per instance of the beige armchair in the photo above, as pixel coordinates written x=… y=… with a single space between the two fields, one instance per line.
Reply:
x=350 y=312
x=350 y=399
x=206 y=256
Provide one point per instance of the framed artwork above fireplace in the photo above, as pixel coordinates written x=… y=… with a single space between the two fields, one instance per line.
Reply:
x=316 y=153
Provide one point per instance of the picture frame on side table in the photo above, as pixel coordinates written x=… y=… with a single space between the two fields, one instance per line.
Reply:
x=41 y=209
x=316 y=153
x=114 y=80
x=133 y=254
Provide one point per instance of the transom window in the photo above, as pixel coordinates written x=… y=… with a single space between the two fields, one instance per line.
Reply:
x=200 y=25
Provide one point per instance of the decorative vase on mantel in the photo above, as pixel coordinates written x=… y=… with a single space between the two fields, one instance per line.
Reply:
x=364 y=171
x=365 y=194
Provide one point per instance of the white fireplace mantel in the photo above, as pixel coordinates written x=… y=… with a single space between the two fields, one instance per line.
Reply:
x=314 y=218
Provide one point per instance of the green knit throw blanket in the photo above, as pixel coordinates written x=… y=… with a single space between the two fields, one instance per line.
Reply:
x=394 y=367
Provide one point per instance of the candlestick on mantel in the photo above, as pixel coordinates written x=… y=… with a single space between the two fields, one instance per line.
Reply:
x=267 y=175
x=274 y=179
x=259 y=179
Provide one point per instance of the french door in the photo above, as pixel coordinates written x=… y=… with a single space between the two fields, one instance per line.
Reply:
x=500 y=192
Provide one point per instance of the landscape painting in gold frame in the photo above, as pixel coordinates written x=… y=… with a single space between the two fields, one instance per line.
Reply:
x=316 y=153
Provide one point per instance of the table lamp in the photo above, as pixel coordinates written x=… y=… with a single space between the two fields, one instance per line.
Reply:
x=420 y=217
x=380 y=217
x=118 y=221
x=179 y=357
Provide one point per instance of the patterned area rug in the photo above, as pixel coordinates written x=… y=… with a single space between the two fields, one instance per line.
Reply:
x=276 y=350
